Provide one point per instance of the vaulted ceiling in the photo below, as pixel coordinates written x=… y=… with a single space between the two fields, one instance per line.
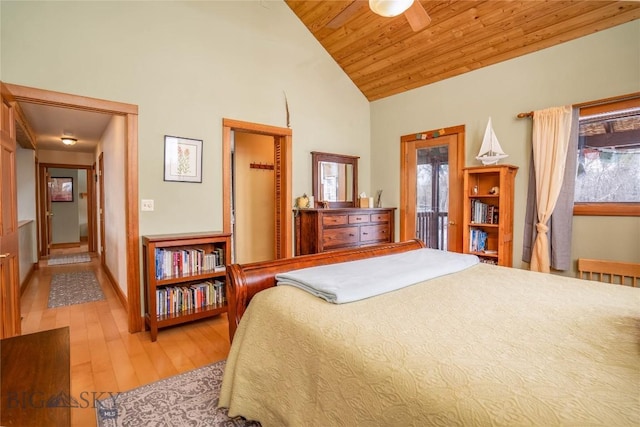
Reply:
x=384 y=56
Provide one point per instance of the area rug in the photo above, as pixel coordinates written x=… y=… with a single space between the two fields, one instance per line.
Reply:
x=72 y=288
x=187 y=399
x=68 y=259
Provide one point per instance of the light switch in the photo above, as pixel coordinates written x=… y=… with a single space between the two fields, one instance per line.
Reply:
x=147 y=205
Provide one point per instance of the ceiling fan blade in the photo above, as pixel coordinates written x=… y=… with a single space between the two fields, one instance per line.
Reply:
x=346 y=13
x=417 y=16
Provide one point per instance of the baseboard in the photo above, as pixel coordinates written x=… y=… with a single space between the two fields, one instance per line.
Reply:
x=27 y=279
x=114 y=284
x=65 y=245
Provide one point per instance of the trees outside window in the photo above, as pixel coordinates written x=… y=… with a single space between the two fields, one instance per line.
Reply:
x=608 y=168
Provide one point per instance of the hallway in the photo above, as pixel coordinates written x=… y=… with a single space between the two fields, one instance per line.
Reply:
x=105 y=357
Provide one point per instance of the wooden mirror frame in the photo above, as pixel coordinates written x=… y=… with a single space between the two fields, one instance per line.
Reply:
x=316 y=158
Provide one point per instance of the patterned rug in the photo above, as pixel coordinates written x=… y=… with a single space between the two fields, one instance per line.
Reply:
x=68 y=259
x=187 y=399
x=74 y=288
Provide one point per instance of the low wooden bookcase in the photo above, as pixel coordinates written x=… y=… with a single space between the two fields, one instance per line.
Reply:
x=184 y=277
x=488 y=213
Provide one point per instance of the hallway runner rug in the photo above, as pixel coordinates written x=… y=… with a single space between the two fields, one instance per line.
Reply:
x=68 y=259
x=72 y=288
x=187 y=399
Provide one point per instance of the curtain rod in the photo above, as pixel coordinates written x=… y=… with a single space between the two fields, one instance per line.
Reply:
x=593 y=103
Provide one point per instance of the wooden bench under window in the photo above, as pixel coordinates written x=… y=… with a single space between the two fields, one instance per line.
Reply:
x=621 y=273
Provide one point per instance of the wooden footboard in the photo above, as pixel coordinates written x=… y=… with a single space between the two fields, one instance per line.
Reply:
x=246 y=280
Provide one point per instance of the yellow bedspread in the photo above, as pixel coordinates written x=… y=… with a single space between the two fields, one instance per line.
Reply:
x=485 y=346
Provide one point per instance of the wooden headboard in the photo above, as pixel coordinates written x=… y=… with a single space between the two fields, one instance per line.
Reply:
x=246 y=280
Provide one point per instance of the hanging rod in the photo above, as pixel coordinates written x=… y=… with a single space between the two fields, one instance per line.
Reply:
x=523 y=115
x=261 y=166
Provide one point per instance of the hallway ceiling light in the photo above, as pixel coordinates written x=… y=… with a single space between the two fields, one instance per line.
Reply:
x=67 y=140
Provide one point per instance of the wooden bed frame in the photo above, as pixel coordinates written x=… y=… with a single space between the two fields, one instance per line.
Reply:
x=246 y=280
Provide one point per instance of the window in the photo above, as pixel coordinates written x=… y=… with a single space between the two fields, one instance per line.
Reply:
x=608 y=168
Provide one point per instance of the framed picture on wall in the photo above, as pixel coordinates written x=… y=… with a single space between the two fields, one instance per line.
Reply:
x=182 y=159
x=61 y=189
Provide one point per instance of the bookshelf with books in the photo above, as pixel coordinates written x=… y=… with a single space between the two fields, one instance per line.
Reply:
x=184 y=277
x=488 y=213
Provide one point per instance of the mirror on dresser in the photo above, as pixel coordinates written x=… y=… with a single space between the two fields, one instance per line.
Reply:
x=334 y=179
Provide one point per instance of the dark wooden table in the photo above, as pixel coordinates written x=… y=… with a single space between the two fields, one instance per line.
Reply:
x=35 y=379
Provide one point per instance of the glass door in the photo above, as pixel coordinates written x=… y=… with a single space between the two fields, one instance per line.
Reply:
x=432 y=196
x=431 y=188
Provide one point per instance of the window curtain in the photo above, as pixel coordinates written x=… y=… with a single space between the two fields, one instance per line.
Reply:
x=547 y=240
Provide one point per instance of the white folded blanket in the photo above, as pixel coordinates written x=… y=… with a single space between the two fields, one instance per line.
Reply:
x=355 y=280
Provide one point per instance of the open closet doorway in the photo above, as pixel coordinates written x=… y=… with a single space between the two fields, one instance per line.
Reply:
x=253 y=197
x=431 y=187
x=67 y=208
x=257 y=200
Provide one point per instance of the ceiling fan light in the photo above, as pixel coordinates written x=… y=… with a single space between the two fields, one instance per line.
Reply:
x=68 y=140
x=389 y=8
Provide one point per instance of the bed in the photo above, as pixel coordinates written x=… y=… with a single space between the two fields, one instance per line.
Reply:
x=486 y=345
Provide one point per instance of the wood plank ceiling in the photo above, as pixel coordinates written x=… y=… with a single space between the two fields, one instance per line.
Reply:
x=384 y=57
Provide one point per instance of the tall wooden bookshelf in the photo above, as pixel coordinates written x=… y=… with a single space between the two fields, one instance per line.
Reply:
x=488 y=213
x=184 y=277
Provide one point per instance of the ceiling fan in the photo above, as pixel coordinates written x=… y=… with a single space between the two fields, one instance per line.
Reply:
x=413 y=10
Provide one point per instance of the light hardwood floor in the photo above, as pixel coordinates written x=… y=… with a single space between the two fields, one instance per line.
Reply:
x=105 y=357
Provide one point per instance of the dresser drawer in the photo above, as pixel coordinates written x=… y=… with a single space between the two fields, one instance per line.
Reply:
x=339 y=236
x=329 y=220
x=329 y=229
x=381 y=217
x=358 y=218
x=374 y=233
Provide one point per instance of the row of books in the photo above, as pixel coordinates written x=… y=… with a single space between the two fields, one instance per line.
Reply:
x=188 y=261
x=477 y=240
x=482 y=213
x=179 y=299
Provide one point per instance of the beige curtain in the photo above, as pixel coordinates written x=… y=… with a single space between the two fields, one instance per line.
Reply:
x=551 y=129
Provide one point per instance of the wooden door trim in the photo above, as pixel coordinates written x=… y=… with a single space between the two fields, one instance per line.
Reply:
x=91 y=207
x=10 y=319
x=455 y=189
x=282 y=143
x=101 y=206
x=130 y=113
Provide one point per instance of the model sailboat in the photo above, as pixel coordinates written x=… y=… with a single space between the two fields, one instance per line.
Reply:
x=490 y=151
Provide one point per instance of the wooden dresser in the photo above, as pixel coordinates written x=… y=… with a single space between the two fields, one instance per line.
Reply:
x=321 y=230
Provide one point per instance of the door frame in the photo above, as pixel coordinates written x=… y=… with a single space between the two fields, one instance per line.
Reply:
x=101 y=220
x=10 y=319
x=44 y=205
x=408 y=197
x=130 y=114
x=282 y=168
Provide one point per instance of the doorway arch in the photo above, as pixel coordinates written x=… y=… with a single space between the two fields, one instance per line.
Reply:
x=130 y=114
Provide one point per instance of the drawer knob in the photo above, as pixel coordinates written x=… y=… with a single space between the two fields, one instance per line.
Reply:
x=365 y=233
x=351 y=234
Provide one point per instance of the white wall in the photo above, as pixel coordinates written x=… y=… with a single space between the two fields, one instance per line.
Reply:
x=26 y=184
x=65 y=157
x=27 y=212
x=188 y=65
x=599 y=66
x=112 y=146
